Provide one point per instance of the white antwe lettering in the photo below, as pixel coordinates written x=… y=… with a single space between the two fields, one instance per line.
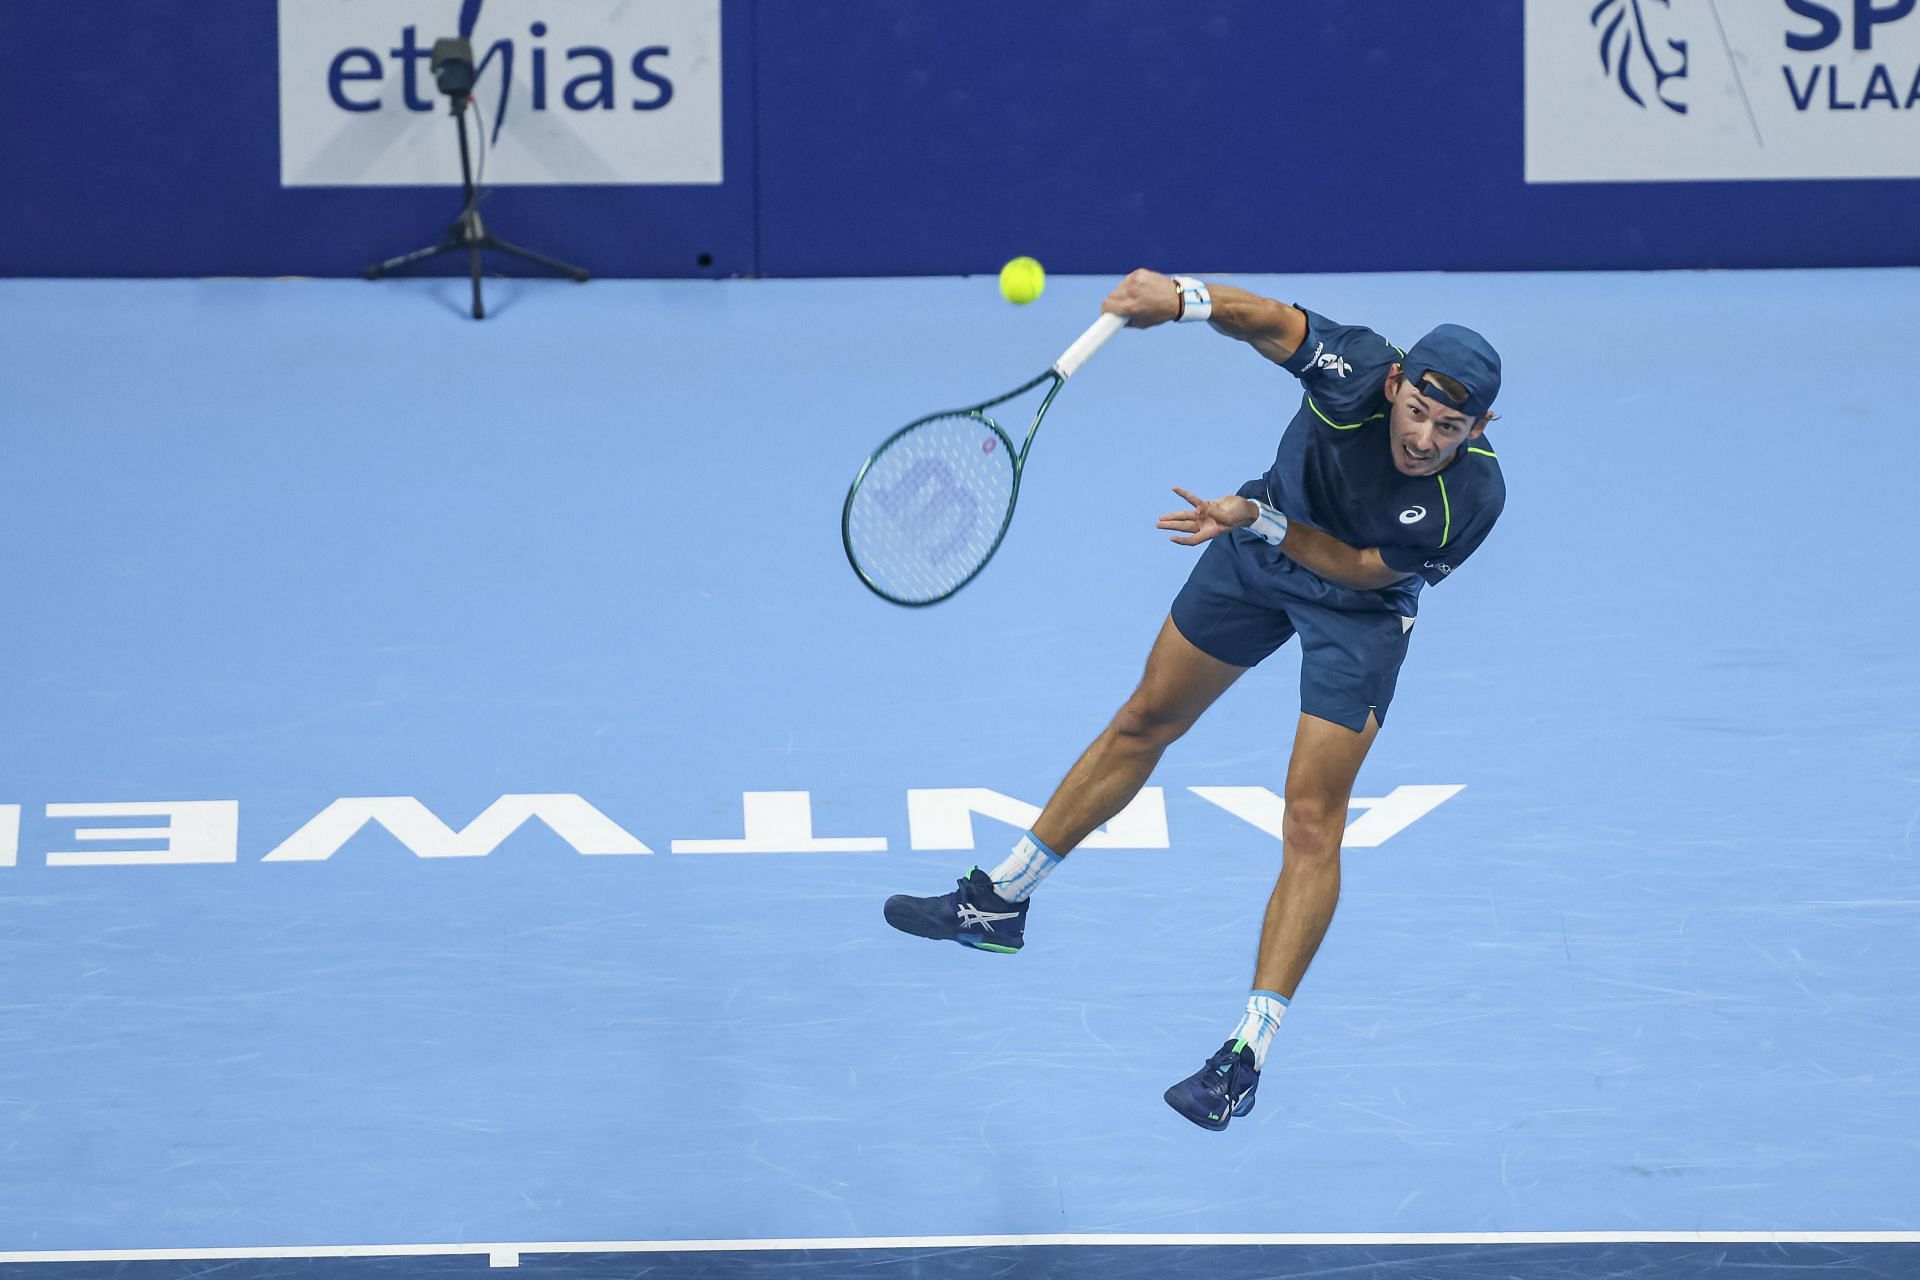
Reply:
x=942 y=818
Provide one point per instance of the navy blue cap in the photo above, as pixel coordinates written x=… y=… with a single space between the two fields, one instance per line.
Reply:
x=1462 y=355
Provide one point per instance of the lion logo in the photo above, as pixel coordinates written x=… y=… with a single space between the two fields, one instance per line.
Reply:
x=1625 y=47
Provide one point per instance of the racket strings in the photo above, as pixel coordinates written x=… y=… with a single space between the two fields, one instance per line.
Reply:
x=931 y=507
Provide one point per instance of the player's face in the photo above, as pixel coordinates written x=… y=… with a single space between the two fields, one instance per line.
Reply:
x=1425 y=433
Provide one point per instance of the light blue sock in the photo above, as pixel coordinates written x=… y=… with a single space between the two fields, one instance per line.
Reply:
x=1024 y=869
x=1259 y=1021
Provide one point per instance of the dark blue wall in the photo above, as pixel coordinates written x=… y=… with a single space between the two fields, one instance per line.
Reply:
x=881 y=137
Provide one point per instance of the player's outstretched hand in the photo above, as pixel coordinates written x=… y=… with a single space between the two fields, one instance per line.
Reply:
x=1146 y=298
x=1207 y=519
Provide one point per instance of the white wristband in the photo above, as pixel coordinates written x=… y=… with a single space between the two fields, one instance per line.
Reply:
x=1195 y=302
x=1269 y=524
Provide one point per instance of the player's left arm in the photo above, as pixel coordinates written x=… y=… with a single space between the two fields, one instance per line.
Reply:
x=1358 y=567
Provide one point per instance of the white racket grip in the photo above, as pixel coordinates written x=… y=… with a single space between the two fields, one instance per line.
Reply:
x=1087 y=343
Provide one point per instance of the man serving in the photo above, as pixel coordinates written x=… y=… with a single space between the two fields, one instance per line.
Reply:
x=1384 y=482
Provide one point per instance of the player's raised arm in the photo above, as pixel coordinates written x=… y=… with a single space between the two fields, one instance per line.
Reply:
x=1147 y=298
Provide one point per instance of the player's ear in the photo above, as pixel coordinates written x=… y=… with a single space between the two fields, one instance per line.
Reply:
x=1392 y=383
x=1479 y=428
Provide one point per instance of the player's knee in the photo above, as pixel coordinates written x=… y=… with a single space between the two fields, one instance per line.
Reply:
x=1313 y=826
x=1147 y=725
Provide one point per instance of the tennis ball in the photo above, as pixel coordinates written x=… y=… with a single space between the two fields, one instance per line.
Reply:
x=1022 y=280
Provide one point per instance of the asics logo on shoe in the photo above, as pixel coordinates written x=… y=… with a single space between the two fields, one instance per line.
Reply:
x=970 y=914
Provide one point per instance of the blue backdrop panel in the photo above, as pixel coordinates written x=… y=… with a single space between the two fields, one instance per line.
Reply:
x=143 y=140
x=1346 y=136
x=881 y=137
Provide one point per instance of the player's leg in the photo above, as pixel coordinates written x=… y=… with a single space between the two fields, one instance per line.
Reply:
x=1326 y=760
x=1218 y=627
x=1179 y=684
x=1349 y=666
x=988 y=910
x=1222 y=623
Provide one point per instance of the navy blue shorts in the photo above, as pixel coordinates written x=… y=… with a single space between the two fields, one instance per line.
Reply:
x=1244 y=599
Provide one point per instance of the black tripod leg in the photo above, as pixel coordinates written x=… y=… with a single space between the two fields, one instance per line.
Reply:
x=479 y=308
x=538 y=259
x=379 y=269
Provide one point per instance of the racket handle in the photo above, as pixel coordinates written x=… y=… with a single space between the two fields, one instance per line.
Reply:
x=1087 y=343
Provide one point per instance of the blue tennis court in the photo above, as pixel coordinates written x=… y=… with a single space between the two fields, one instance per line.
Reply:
x=452 y=777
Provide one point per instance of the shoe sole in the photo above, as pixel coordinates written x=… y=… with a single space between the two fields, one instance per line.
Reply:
x=1246 y=1105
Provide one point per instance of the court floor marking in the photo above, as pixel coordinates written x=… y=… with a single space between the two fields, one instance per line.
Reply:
x=509 y=1255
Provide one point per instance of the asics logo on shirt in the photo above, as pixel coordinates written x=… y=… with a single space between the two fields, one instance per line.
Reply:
x=1331 y=361
x=971 y=915
x=1413 y=515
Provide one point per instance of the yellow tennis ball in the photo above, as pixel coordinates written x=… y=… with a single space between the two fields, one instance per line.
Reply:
x=1022 y=280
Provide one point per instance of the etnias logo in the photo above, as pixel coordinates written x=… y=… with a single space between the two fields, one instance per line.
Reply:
x=1673 y=90
x=1627 y=51
x=569 y=91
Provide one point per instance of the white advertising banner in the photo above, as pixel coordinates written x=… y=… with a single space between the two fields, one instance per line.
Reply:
x=583 y=91
x=1680 y=90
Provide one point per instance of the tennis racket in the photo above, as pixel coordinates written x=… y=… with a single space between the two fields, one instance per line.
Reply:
x=932 y=503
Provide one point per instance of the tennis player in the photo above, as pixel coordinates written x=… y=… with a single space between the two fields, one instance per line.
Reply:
x=1384 y=483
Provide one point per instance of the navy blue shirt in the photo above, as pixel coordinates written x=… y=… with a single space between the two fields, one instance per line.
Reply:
x=1334 y=471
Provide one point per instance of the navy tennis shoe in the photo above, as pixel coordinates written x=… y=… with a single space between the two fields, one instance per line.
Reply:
x=972 y=915
x=1219 y=1091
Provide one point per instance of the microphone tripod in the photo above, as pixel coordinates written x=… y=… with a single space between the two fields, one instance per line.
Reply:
x=470 y=234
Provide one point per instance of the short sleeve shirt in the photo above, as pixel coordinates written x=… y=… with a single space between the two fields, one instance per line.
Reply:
x=1334 y=471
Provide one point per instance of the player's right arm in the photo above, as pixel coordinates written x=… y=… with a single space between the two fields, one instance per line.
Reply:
x=1274 y=329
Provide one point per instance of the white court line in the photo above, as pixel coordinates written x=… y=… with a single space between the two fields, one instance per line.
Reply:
x=510 y=1254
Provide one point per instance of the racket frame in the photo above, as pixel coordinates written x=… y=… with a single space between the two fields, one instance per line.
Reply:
x=978 y=413
x=1065 y=367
